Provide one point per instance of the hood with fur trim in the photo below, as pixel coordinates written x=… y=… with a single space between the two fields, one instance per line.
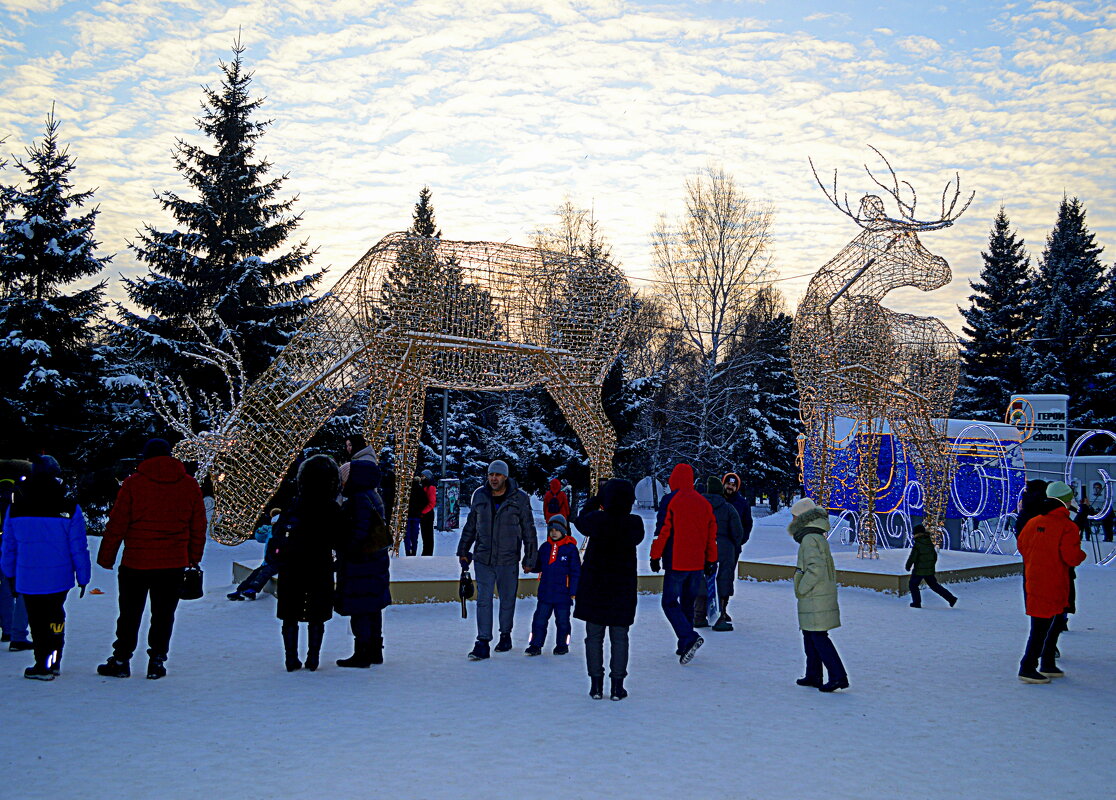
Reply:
x=816 y=518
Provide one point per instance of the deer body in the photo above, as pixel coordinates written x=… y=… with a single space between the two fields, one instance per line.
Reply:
x=415 y=314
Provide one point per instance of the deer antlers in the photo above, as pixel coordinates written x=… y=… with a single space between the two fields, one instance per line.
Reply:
x=906 y=220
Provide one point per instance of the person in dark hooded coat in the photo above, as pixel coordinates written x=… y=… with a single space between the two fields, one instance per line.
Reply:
x=305 y=536
x=606 y=593
x=1032 y=503
x=730 y=540
x=363 y=565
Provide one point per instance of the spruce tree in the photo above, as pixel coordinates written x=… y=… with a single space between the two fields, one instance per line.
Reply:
x=1064 y=356
x=52 y=396
x=998 y=321
x=226 y=257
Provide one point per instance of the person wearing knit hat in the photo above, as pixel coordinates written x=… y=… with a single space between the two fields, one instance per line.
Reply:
x=1051 y=547
x=558 y=565
x=730 y=539
x=815 y=587
x=500 y=527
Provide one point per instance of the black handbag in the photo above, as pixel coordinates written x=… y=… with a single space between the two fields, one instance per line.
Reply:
x=192 y=583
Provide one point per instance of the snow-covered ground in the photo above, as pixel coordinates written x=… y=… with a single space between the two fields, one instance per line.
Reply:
x=934 y=710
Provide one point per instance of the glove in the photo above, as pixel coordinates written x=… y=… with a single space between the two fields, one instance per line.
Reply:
x=465 y=560
x=709 y=567
x=81 y=594
x=656 y=565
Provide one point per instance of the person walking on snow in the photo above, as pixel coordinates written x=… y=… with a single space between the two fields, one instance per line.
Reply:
x=305 y=537
x=686 y=545
x=500 y=527
x=559 y=567
x=815 y=587
x=606 y=593
x=160 y=518
x=45 y=553
x=921 y=563
x=416 y=501
x=426 y=517
x=1050 y=544
x=555 y=501
x=730 y=539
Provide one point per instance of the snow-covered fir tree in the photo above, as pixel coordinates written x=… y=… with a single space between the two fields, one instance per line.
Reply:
x=1104 y=403
x=52 y=393
x=228 y=255
x=997 y=325
x=1068 y=297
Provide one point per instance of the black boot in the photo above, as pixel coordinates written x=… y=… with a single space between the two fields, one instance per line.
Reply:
x=618 y=690
x=376 y=651
x=361 y=657
x=724 y=622
x=156 y=668
x=114 y=668
x=596 y=687
x=314 y=646
x=290 y=647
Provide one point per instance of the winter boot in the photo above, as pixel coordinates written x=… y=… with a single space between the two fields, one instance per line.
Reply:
x=1032 y=676
x=1051 y=671
x=533 y=650
x=834 y=685
x=361 y=657
x=504 y=645
x=561 y=649
x=20 y=647
x=235 y=596
x=155 y=668
x=723 y=623
x=724 y=609
x=290 y=648
x=618 y=690
x=376 y=651
x=249 y=594
x=114 y=668
x=691 y=651
x=314 y=646
x=39 y=673
x=813 y=683
x=479 y=651
x=596 y=687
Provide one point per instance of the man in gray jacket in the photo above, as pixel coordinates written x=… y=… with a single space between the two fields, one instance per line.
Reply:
x=500 y=520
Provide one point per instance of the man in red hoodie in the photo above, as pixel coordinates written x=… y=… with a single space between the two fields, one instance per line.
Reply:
x=686 y=540
x=1051 y=546
x=160 y=518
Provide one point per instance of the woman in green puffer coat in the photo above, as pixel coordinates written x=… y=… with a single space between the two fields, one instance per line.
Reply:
x=815 y=586
x=921 y=563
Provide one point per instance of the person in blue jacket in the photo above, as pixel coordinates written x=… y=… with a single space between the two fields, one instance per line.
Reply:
x=559 y=567
x=45 y=553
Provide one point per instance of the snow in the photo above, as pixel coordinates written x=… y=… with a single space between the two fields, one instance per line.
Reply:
x=934 y=711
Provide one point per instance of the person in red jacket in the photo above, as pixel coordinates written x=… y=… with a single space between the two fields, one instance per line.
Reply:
x=555 y=501
x=686 y=540
x=1051 y=546
x=160 y=518
x=426 y=520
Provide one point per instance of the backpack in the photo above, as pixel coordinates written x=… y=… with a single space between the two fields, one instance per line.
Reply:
x=554 y=507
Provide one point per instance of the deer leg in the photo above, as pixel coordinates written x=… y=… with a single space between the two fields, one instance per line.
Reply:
x=933 y=464
x=867 y=482
x=581 y=406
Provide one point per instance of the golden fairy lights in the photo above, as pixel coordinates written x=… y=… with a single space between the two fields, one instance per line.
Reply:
x=415 y=314
x=855 y=359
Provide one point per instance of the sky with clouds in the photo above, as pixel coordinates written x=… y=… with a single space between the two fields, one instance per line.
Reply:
x=504 y=108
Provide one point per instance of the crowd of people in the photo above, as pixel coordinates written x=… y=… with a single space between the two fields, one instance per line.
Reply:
x=331 y=546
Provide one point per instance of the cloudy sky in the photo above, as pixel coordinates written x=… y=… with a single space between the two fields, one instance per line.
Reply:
x=504 y=108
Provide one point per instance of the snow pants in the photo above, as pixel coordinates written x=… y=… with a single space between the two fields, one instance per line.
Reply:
x=680 y=589
x=933 y=585
x=258 y=579
x=165 y=588
x=504 y=579
x=411 y=536
x=1041 y=643
x=541 y=621
x=820 y=651
x=46 y=614
x=427 y=524
x=594 y=650
x=13 y=613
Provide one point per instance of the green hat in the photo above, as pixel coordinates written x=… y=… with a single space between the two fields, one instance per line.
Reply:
x=1061 y=491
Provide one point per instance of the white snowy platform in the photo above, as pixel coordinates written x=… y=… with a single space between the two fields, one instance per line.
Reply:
x=888 y=573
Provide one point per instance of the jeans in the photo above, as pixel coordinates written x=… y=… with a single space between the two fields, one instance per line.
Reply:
x=258 y=579
x=680 y=589
x=13 y=613
x=165 y=588
x=933 y=585
x=1041 y=643
x=411 y=535
x=427 y=521
x=504 y=579
x=820 y=650
x=594 y=650
x=542 y=619
x=47 y=615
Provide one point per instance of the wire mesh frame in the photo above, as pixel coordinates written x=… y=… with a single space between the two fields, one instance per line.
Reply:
x=854 y=358
x=414 y=314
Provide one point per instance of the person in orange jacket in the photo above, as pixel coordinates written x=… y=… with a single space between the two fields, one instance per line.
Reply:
x=1051 y=546
x=555 y=501
x=686 y=540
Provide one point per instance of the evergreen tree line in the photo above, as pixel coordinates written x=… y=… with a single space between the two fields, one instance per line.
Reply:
x=1048 y=328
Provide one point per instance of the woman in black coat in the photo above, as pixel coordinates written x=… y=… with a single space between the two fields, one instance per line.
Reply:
x=304 y=542
x=606 y=592
x=363 y=574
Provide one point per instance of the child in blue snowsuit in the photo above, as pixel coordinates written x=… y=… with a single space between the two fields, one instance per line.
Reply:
x=254 y=583
x=559 y=567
